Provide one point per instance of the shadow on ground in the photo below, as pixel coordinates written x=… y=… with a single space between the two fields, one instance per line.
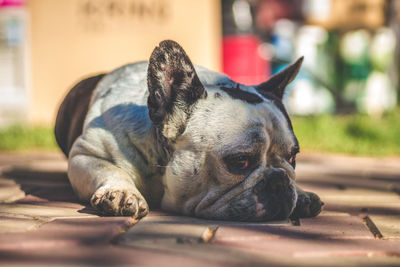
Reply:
x=45 y=185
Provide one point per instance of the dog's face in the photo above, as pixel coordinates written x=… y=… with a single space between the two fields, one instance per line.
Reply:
x=233 y=147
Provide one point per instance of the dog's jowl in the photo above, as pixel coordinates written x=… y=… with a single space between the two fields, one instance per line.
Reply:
x=170 y=134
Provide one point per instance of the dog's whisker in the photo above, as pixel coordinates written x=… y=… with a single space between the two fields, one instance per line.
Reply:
x=160 y=166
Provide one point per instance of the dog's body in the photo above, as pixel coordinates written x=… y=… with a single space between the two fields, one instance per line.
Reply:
x=191 y=140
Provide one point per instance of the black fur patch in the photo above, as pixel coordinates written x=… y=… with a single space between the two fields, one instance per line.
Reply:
x=72 y=113
x=277 y=83
x=278 y=103
x=172 y=81
x=236 y=93
x=217 y=95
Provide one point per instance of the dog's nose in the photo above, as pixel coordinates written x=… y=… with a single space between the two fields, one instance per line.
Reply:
x=277 y=193
x=277 y=181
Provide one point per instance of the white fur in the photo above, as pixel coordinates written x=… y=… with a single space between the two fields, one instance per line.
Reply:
x=118 y=147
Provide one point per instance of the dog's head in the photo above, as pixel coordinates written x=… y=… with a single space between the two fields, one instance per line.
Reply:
x=233 y=147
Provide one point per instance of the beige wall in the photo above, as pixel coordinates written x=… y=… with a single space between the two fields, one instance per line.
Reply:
x=70 y=39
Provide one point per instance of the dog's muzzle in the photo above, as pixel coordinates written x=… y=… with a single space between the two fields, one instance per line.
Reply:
x=275 y=195
x=268 y=196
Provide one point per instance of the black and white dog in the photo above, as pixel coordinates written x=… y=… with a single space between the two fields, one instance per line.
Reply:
x=170 y=134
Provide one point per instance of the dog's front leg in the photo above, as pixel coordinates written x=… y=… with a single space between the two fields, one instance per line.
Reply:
x=308 y=204
x=109 y=189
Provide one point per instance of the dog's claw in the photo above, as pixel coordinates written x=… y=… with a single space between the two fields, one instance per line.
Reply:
x=119 y=202
x=308 y=205
x=142 y=206
x=129 y=202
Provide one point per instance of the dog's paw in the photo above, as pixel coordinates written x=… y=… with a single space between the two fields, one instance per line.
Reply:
x=119 y=202
x=308 y=205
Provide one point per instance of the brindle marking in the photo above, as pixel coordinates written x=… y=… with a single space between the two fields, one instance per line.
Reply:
x=237 y=93
x=72 y=113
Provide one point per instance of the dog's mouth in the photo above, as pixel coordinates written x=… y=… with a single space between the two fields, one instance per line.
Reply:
x=271 y=196
x=273 y=202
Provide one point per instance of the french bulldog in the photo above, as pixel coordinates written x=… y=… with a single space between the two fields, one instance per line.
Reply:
x=168 y=134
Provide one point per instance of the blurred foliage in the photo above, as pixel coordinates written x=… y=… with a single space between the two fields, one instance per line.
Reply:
x=21 y=138
x=350 y=134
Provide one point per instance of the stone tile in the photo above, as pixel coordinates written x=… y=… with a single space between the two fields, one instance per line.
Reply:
x=288 y=242
x=362 y=202
x=349 y=186
x=81 y=208
x=343 y=172
x=345 y=182
x=41 y=211
x=370 y=260
x=32 y=199
x=68 y=232
x=186 y=219
x=328 y=235
x=356 y=200
x=336 y=261
x=25 y=158
x=158 y=231
x=48 y=165
x=53 y=193
x=51 y=186
x=367 y=209
x=10 y=193
x=359 y=196
x=336 y=226
x=157 y=213
x=86 y=241
x=6 y=182
x=4 y=167
x=326 y=226
x=354 y=164
x=388 y=225
x=169 y=229
x=152 y=232
x=104 y=255
x=191 y=237
x=31 y=177
x=20 y=224
x=9 y=190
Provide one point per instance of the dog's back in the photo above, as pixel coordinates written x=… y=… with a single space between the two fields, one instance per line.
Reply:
x=128 y=82
x=72 y=113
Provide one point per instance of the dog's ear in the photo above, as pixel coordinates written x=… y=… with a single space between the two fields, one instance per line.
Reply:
x=173 y=88
x=276 y=84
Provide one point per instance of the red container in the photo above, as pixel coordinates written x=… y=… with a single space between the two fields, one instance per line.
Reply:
x=7 y=3
x=242 y=60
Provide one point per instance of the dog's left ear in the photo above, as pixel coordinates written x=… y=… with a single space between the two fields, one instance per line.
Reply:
x=174 y=88
x=276 y=85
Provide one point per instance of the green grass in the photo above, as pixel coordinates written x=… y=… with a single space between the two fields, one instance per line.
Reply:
x=351 y=134
x=23 y=138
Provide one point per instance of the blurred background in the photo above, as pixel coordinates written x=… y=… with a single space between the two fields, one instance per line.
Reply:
x=345 y=99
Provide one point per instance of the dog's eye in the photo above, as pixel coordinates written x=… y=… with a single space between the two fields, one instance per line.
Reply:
x=292 y=157
x=240 y=164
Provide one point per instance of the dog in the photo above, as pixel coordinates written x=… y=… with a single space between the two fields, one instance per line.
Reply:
x=168 y=134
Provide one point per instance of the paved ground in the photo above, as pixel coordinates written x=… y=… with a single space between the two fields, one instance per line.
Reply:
x=43 y=224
